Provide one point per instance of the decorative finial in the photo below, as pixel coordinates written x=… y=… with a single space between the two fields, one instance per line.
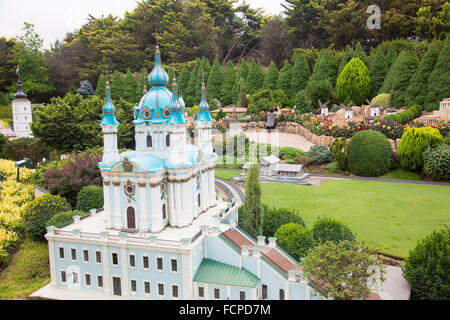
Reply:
x=174 y=82
x=145 y=89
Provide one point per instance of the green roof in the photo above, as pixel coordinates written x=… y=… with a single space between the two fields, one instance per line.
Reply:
x=211 y=271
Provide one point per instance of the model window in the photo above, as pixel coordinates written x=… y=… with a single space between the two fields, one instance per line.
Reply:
x=160 y=289
x=74 y=254
x=133 y=286
x=174 y=264
x=98 y=257
x=145 y=263
x=63 y=276
x=100 y=281
x=75 y=277
x=175 y=291
x=87 y=279
x=132 y=260
x=216 y=294
x=264 y=291
x=159 y=264
x=281 y=294
x=149 y=141
x=61 y=253
x=242 y=295
x=168 y=140
x=164 y=212
x=147 y=287
x=86 y=255
x=201 y=292
x=115 y=259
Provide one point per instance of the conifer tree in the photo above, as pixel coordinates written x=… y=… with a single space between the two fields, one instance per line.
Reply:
x=397 y=81
x=143 y=81
x=359 y=53
x=203 y=73
x=418 y=88
x=129 y=87
x=391 y=55
x=252 y=209
x=101 y=85
x=172 y=75
x=183 y=80
x=86 y=89
x=285 y=78
x=439 y=81
x=190 y=92
x=242 y=73
x=346 y=59
x=378 y=71
x=271 y=78
x=303 y=103
x=117 y=86
x=214 y=82
x=226 y=93
x=300 y=75
x=354 y=83
x=325 y=67
x=254 y=78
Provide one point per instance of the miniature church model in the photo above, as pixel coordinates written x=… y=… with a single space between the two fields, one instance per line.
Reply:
x=21 y=112
x=163 y=233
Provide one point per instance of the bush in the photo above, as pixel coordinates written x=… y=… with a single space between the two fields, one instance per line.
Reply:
x=383 y=100
x=333 y=168
x=90 y=197
x=320 y=155
x=339 y=149
x=321 y=90
x=38 y=212
x=354 y=84
x=369 y=154
x=295 y=239
x=22 y=148
x=62 y=218
x=289 y=153
x=3 y=140
x=303 y=160
x=274 y=218
x=427 y=267
x=413 y=144
x=326 y=229
x=436 y=162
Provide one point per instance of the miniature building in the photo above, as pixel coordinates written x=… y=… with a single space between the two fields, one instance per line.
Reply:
x=391 y=111
x=445 y=104
x=271 y=166
x=22 y=113
x=163 y=234
x=375 y=111
x=324 y=112
x=348 y=113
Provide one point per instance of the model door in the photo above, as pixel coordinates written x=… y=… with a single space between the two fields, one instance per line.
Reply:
x=117 y=287
x=131 y=218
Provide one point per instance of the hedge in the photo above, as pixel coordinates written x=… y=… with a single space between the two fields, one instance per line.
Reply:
x=327 y=229
x=295 y=239
x=436 y=162
x=274 y=218
x=90 y=197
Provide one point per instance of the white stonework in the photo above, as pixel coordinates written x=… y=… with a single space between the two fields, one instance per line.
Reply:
x=22 y=117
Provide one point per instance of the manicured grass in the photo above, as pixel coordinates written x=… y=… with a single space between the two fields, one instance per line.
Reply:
x=402 y=174
x=390 y=216
x=227 y=174
x=28 y=271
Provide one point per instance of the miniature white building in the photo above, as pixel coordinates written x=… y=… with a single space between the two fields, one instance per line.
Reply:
x=22 y=113
x=445 y=104
x=349 y=113
x=324 y=112
x=375 y=111
x=271 y=166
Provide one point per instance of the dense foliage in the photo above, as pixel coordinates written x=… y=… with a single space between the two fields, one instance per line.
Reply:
x=436 y=162
x=63 y=218
x=427 y=265
x=354 y=83
x=327 y=229
x=90 y=197
x=320 y=154
x=295 y=239
x=339 y=149
x=30 y=148
x=251 y=215
x=274 y=218
x=407 y=116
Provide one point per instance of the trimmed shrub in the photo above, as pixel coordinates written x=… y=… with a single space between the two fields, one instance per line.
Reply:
x=354 y=83
x=339 y=149
x=90 y=197
x=369 y=154
x=383 y=100
x=333 y=168
x=22 y=148
x=274 y=218
x=62 y=218
x=321 y=90
x=295 y=239
x=427 y=267
x=302 y=102
x=436 y=162
x=290 y=153
x=320 y=155
x=326 y=229
x=303 y=160
x=413 y=144
x=38 y=212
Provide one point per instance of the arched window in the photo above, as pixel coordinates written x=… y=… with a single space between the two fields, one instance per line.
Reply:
x=164 y=212
x=168 y=140
x=149 y=141
x=131 y=218
x=281 y=294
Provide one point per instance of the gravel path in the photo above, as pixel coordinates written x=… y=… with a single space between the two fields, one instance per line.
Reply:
x=280 y=139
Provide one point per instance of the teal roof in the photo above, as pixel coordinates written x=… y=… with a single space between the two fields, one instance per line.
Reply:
x=156 y=100
x=203 y=108
x=176 y=108
x=109 y=117
x=158 y=76
x=211 y=271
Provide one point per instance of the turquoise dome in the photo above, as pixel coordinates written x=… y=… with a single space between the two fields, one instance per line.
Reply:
x=203 y=108
x=109 y=111
x=158 y=76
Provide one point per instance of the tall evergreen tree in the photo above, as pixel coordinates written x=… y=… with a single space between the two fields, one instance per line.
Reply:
x=242 y=73
x=203 y=73
x=117 y=86
x=391 y=55
x=254 y=77
x=300 y=75
x=359 y=53
x=354 y=83
x=418 y=88
x=214 y=82
x=101 y=86
x=346 y=59
x=399 y=76
x=302 y=102
x=325 y=67
x=252 y=209
x=378 y=71
x=143 y=81
x=129 y=87
x=226 y=93
x=189 y=97
x=183 y=80
x=271 y=78
x=86 y=89
x=439 y=81
x=285 y=78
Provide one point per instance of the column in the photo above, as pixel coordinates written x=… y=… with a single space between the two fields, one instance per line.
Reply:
x=51 y=254
x=143 y=206
x=187 y=276
x=171 y=204
x=178 y=204
x=117 y=223
x=107 y=205
x=156 y=217
x=185 y=213
x=124 y=267
x=106 y=274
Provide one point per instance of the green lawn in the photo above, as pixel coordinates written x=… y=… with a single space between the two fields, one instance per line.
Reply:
x=28 y=271
x=227 y=174
x=391 y=216
x=402 y=174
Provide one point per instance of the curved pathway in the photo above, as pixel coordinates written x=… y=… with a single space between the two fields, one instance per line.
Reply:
x=280 y=139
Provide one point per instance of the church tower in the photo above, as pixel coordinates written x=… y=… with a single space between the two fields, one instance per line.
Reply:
x=109 y=126
x=22 y=114
x=203 y=125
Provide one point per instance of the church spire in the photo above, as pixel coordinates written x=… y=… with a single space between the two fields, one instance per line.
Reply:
x=109 y=111
x=203 y=107
x=158 y=76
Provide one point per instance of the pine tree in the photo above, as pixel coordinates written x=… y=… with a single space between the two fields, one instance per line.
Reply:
x=117 y=86
x=285 y=78
x=346 y=59
x=101 y=85
x=214 y=82
x=129 y=87
x=303 y=103
x=300 y=75
x=418 y=88
x=378 y=71
x=325 y=67
x=190 y=92
x=271 y=78
x=242 y=73
x=252 y=209
x=86 y=89
x=143 y=81
x=183 y=81
x=254 y=78
x=359 y=53
x=391 y=56
x=439 y=81
x=354 y=83
x=397 y=81
x=226 y=93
